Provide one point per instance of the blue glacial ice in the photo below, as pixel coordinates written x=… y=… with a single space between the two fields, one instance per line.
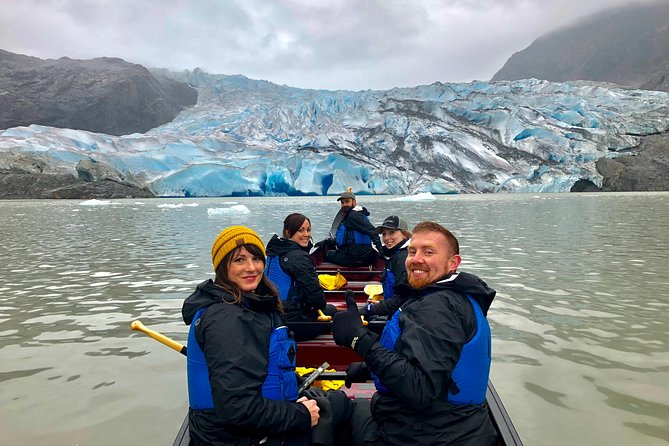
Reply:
x=254 y=138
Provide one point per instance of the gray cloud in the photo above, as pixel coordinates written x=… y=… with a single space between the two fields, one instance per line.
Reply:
x=352 y=44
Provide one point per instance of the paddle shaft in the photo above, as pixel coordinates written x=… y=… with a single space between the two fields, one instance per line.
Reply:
x=171 y=343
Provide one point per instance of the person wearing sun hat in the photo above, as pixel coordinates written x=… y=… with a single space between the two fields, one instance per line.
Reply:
x=238 y=392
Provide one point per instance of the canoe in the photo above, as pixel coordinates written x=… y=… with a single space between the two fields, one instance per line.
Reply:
x=314 y=352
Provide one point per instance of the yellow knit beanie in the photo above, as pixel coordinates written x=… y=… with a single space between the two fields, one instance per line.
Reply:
x=230 y=238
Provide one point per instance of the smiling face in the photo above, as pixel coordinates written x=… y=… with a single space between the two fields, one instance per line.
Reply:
x=429 y=258
x=391 y=237
x=302 y=235
x=245 y=270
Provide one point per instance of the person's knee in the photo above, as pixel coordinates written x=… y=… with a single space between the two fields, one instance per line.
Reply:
x=329 y=310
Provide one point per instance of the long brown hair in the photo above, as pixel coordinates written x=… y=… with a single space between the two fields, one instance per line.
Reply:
x=265 y=287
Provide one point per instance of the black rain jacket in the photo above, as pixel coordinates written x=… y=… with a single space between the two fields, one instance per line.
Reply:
x=235 y=341
x=297 y=263
x=357 y=220
x=395 y=262
x=436 y=322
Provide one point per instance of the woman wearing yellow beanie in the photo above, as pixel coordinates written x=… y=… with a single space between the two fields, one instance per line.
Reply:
x=241 y=358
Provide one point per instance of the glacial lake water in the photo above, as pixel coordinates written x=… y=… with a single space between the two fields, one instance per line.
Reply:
x=580 y=332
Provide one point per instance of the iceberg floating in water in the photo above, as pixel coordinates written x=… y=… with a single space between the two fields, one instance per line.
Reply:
x=238 y=209
x=95 y=202
x=421 y=196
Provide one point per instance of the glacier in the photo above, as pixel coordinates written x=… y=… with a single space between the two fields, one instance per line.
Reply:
x=248 y=137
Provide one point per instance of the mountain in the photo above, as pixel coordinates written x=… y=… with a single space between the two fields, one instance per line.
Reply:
x=627 y=46
x=105 y=95
x=250 y=137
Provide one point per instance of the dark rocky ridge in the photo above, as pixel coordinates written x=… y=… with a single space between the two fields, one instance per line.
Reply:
x=647 y=170
x=104 y=95
x=24 y=176
x=627 y=46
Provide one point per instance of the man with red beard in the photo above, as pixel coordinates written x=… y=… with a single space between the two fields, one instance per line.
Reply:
x=432 y=361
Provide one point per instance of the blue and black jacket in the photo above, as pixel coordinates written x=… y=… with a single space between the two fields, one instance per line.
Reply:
x=291 y=269
x=441 y=341
x=237 y=341
x=356 y=234
x=395 y=271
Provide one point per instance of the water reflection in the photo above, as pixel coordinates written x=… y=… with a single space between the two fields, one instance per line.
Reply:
x=582 y=286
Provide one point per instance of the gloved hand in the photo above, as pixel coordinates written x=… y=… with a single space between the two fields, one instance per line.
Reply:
x=351 y=304
x=313 y=393
x=347 y=328
x=357 y=372
x=326 y=243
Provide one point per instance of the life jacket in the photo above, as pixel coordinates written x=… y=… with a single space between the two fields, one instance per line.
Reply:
x=288 y=290
x=388 y=278
x=388 y=283
x=470 y=375
x=346 y=237
x=280 y=383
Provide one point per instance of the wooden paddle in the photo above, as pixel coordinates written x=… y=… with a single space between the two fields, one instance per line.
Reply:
x=171 y=343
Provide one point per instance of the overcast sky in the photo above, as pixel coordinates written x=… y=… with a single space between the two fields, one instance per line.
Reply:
x=331 y=44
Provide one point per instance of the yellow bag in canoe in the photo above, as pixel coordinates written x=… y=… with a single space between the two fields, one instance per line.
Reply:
x=330 y=282
x=325 y=384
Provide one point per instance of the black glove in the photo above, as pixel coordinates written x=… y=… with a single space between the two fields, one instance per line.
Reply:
x=357 y=372
x=347 y=328
x=351 y=304
x=326 y=243
x=313 y=393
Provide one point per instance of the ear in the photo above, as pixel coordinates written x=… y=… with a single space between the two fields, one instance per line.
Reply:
x=454 y=262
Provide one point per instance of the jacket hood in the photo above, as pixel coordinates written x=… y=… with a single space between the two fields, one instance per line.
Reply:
x=469 y=284
x=388 y=253
x=361 y=209
x=208 y=293
x=278 y=246
x=205 y=294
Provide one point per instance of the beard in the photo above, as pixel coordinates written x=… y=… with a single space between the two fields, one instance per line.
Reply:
x=418 y=284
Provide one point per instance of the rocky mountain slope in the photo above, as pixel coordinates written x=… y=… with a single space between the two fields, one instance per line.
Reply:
x=628 y=46
x=105 y=95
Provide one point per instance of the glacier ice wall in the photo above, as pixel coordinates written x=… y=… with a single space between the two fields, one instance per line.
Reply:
x=248 y=137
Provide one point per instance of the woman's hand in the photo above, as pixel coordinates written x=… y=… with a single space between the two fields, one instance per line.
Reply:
x=312 y=407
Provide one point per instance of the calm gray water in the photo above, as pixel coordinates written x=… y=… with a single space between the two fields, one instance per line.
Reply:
x=580 y=338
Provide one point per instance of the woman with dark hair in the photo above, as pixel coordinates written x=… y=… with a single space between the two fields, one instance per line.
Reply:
x=241 y=359
x=291 y=269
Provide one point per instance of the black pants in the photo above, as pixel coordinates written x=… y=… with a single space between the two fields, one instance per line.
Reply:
x=364 y=430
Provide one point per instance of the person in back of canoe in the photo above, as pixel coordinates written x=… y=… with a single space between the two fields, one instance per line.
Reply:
x=432 y=361
x=291 y=269
x=242 y=385
x=353 y=238
x=395 y=236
